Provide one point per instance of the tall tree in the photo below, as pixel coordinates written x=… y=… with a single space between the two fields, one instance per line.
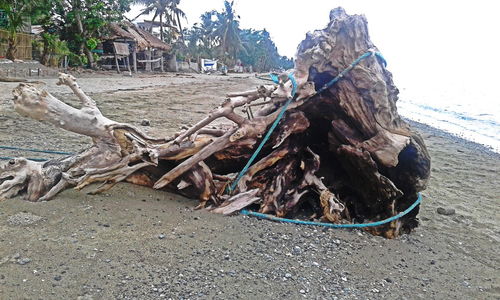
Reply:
x=200 y=38
x=83 y=21
x=228 y=32
x=85 y=18
x=178 y=13
x=163 y=9
x=45 y=14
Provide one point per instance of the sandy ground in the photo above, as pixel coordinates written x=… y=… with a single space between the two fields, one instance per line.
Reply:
x=137 y=243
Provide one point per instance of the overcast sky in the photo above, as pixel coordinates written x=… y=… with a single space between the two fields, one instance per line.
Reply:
x=426 y=42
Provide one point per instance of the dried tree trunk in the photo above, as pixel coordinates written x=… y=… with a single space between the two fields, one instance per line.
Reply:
x=344 y=154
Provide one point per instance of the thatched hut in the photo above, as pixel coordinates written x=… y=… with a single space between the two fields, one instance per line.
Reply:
x=126 y=40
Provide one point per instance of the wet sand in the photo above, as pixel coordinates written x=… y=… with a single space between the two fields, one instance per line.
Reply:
x=137 y=243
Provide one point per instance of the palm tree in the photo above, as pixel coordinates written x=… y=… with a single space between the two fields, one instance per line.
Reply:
x=228 y=31
x=163 y=8
x=17 y=11
x=178 y=13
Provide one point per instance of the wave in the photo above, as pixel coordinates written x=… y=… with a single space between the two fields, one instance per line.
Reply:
x=465 y=121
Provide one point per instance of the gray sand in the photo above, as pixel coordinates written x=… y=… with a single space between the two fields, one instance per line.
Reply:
x=138 y=243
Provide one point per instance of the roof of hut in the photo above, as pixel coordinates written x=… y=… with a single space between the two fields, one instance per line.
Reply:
x=127 y=30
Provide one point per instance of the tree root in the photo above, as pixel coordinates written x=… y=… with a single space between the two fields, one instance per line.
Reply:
x=344 y=154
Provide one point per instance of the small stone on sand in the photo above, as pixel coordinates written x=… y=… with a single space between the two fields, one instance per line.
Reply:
x=446 y=211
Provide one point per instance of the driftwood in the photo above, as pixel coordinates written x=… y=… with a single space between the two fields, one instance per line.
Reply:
x=345 y=154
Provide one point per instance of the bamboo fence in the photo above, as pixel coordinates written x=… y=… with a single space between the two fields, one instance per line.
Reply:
x=23 y=49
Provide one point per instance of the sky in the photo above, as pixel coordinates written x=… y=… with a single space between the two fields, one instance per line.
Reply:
x=434 y=48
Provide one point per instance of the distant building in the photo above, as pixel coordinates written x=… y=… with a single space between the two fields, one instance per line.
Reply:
x=124 y=40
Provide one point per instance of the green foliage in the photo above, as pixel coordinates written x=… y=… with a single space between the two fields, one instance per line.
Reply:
x=77 y=60
x=79 y=23
x=261 y=52
x=92 y=43
x=15 y=12
x=83 y=20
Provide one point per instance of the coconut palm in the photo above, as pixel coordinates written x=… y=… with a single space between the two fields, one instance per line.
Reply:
x=228 y=31
x=163 y=9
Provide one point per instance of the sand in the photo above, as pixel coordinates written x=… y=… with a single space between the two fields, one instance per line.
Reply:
x=137 y=243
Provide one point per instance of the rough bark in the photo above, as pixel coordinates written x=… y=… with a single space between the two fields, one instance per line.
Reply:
x=81 y=30
x=11 y=47
x=343 y=155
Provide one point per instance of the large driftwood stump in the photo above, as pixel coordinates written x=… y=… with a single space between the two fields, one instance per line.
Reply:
x=344 y=154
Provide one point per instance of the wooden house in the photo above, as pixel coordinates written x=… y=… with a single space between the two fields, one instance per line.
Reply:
x=126 y=42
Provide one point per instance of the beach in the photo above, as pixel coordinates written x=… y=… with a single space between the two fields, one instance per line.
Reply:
x=137 y=243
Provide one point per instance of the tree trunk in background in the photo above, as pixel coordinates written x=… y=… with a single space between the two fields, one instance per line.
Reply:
x=44 y=60
x=172 y=62
x=161 y=27
x=179 y=24
x=90 y=56
x=341 y=156
x=84 y=46
x=11 y=47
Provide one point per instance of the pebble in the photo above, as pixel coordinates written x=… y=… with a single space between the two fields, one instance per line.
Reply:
x=161 y=236
x=445 y=211
x=57 y=277
x=145 y=122
x=302 y=291
x=24 y=261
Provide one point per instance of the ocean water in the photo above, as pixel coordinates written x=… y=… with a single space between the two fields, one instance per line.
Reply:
x=466 y=110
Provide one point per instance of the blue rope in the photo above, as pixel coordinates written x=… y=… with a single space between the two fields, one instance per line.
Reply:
x=34 y=159
x=350 y=67
x=263 y=78
x=35 y=150
x=331 y=225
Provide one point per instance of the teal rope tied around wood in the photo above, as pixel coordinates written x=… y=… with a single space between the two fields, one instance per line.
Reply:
x=33 y=159
x=331 y=225
x=350 y=67
x=274 y=77
x=35 y=150
x=31 y=150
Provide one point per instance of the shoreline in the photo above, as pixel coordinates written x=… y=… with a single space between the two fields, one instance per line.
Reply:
x=484 y=149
